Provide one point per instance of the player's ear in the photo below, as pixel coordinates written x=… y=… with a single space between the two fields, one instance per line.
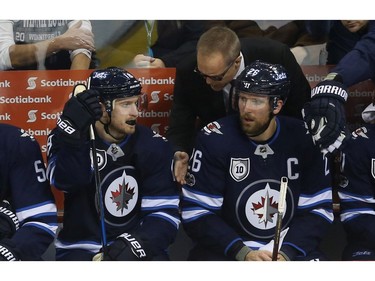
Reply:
x=278 y=105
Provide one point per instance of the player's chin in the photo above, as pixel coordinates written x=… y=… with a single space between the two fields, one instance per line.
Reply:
x=129 y=130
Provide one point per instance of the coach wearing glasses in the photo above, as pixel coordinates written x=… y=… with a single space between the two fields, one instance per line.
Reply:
x=202 y=90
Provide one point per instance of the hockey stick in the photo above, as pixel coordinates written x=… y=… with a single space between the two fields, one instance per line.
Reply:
x=78 y=89
x=280 y=213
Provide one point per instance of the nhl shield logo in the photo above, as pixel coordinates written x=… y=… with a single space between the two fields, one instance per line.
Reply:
x=239 y=168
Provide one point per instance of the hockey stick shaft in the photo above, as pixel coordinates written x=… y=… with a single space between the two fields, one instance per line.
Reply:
x=98 y=184
x=98 y=191
x=79 y=88
x=280 y=213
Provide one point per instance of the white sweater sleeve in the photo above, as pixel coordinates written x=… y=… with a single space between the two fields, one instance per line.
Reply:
x=6 y=40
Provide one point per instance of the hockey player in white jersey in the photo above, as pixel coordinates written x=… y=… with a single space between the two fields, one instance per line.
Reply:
x=230 y=201
x=357 y=190
x=131 y=213
x=28 y=215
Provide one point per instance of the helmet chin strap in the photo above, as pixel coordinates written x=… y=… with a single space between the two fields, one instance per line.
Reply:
x=106 y=128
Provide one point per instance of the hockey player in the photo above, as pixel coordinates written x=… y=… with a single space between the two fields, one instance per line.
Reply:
x=28 y=215
x=357 y=189
x=230 y=203
x=134 y=216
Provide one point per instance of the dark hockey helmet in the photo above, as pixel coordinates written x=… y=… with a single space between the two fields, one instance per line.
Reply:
x=264 y=79
x=113 y=83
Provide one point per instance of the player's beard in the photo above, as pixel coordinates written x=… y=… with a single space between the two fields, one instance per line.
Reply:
x=257 y=128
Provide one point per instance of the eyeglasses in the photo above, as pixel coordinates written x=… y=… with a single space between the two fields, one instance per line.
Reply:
x=215 y=77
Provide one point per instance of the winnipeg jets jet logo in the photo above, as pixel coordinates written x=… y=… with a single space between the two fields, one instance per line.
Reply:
x=266 y=208
x=122 y=195
x=256 y=208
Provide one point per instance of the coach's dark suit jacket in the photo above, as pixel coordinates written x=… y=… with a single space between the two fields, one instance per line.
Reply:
x=195 y=104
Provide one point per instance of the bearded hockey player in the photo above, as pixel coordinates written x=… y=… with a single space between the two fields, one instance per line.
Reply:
x=230 y=201
x=134 y=216
x=28 y=215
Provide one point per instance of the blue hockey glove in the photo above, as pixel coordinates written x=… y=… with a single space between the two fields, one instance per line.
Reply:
x=324 y=115
x=8 y=220
x=80 y=111
x=127 y=247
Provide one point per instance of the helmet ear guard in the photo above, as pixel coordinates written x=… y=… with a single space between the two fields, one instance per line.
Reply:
x=263 y=79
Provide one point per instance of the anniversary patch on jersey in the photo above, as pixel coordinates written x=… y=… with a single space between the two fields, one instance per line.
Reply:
x=120 y=195
x=239 y=168
x=256 y=208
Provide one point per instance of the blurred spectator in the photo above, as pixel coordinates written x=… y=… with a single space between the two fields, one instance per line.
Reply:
x=343 y=36
x=176 y=39
x=46 y=44
x=359 y=63
x=293 y=33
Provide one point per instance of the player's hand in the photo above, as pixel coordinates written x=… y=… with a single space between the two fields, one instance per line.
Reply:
x=80 y=111
x=126 y=247
x=8 y=220
x=76 y=37
x=181 y=161
x=324 y=115
x=256 y=255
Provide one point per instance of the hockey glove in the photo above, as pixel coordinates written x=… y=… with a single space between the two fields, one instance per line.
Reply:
x=324 y=115
x=6 y=251
x=80 y=111
x=127 y=247
x=8 y=220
